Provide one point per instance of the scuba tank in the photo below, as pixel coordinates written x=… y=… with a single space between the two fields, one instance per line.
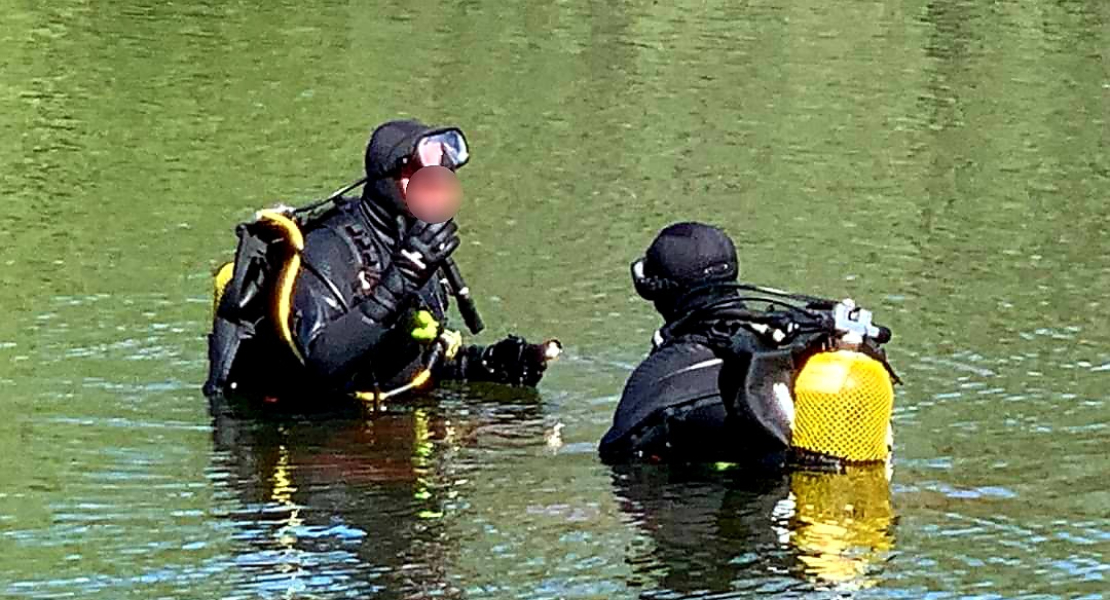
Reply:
x=810 y=370
x=844 y=393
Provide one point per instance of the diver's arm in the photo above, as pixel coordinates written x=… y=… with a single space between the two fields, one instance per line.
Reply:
x=335 y=343
x=462 y=366
x=333 y=340
x=512 y=361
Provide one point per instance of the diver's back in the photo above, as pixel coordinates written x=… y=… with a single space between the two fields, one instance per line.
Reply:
x=671 y=409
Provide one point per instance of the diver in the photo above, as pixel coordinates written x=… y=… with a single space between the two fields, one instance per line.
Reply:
x=348 y=298
x=748 y=375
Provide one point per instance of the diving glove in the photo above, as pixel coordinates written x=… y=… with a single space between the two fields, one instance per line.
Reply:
x=425 y=247
x=513 y=361
x=422 y=252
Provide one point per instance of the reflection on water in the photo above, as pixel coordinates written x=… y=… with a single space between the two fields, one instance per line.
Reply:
x=841 y=526
x=342 y=506
x=944 y=162
x=738 y=533
x=352 y=505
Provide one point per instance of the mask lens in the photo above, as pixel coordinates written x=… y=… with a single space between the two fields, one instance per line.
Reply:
x=445 y=148
x=639 y=280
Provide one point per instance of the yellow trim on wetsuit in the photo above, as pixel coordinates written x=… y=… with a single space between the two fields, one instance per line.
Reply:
x=450 y=342
x=421 y=378
x=288 y=276
x=220 y=281
x=375 y=398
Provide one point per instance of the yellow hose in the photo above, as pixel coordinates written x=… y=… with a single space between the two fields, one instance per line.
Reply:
x=288 y=276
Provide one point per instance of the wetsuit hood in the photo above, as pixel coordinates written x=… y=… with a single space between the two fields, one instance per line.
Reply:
x=687 y=265
x=675 y=308
x=389 y=145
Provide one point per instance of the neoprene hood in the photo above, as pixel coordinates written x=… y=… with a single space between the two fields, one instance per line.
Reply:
x=390 y=145
x=691 y=254
x=685 y=257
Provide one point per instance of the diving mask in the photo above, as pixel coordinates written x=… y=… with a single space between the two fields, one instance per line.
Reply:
x=440 y=148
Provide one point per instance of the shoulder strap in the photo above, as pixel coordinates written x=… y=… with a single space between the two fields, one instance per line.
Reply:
x=343 y=212
x=315 y=215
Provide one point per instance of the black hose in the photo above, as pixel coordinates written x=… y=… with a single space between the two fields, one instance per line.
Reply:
x=331 y=196
x=467 y=308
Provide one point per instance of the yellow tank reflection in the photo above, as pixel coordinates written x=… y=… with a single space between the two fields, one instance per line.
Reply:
x=839 y=525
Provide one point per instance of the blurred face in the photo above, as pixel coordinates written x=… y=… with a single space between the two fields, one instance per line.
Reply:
x=432 y=194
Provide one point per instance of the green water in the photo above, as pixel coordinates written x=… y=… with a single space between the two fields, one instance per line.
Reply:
x=944 y=162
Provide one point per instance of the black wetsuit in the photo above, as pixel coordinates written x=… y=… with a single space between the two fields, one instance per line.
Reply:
x=348 y=251
x=672 y=409
x=366 y=269
x=345 y=350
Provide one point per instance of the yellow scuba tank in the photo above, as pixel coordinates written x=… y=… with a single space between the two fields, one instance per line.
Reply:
x=843 y=403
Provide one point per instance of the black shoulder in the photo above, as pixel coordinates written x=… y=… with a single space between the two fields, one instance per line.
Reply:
x=342 y=231
x=330 y=258
x=677 y=374
x=326 y=246
x=328 y=235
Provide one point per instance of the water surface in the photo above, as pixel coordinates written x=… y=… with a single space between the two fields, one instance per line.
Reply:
x=943 y=162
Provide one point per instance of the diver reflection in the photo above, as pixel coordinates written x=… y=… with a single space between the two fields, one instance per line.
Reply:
x=347 y=505
x=722 y=530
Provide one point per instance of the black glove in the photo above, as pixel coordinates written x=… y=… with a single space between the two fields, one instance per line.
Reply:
x=423 y=250
x=513 y=361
